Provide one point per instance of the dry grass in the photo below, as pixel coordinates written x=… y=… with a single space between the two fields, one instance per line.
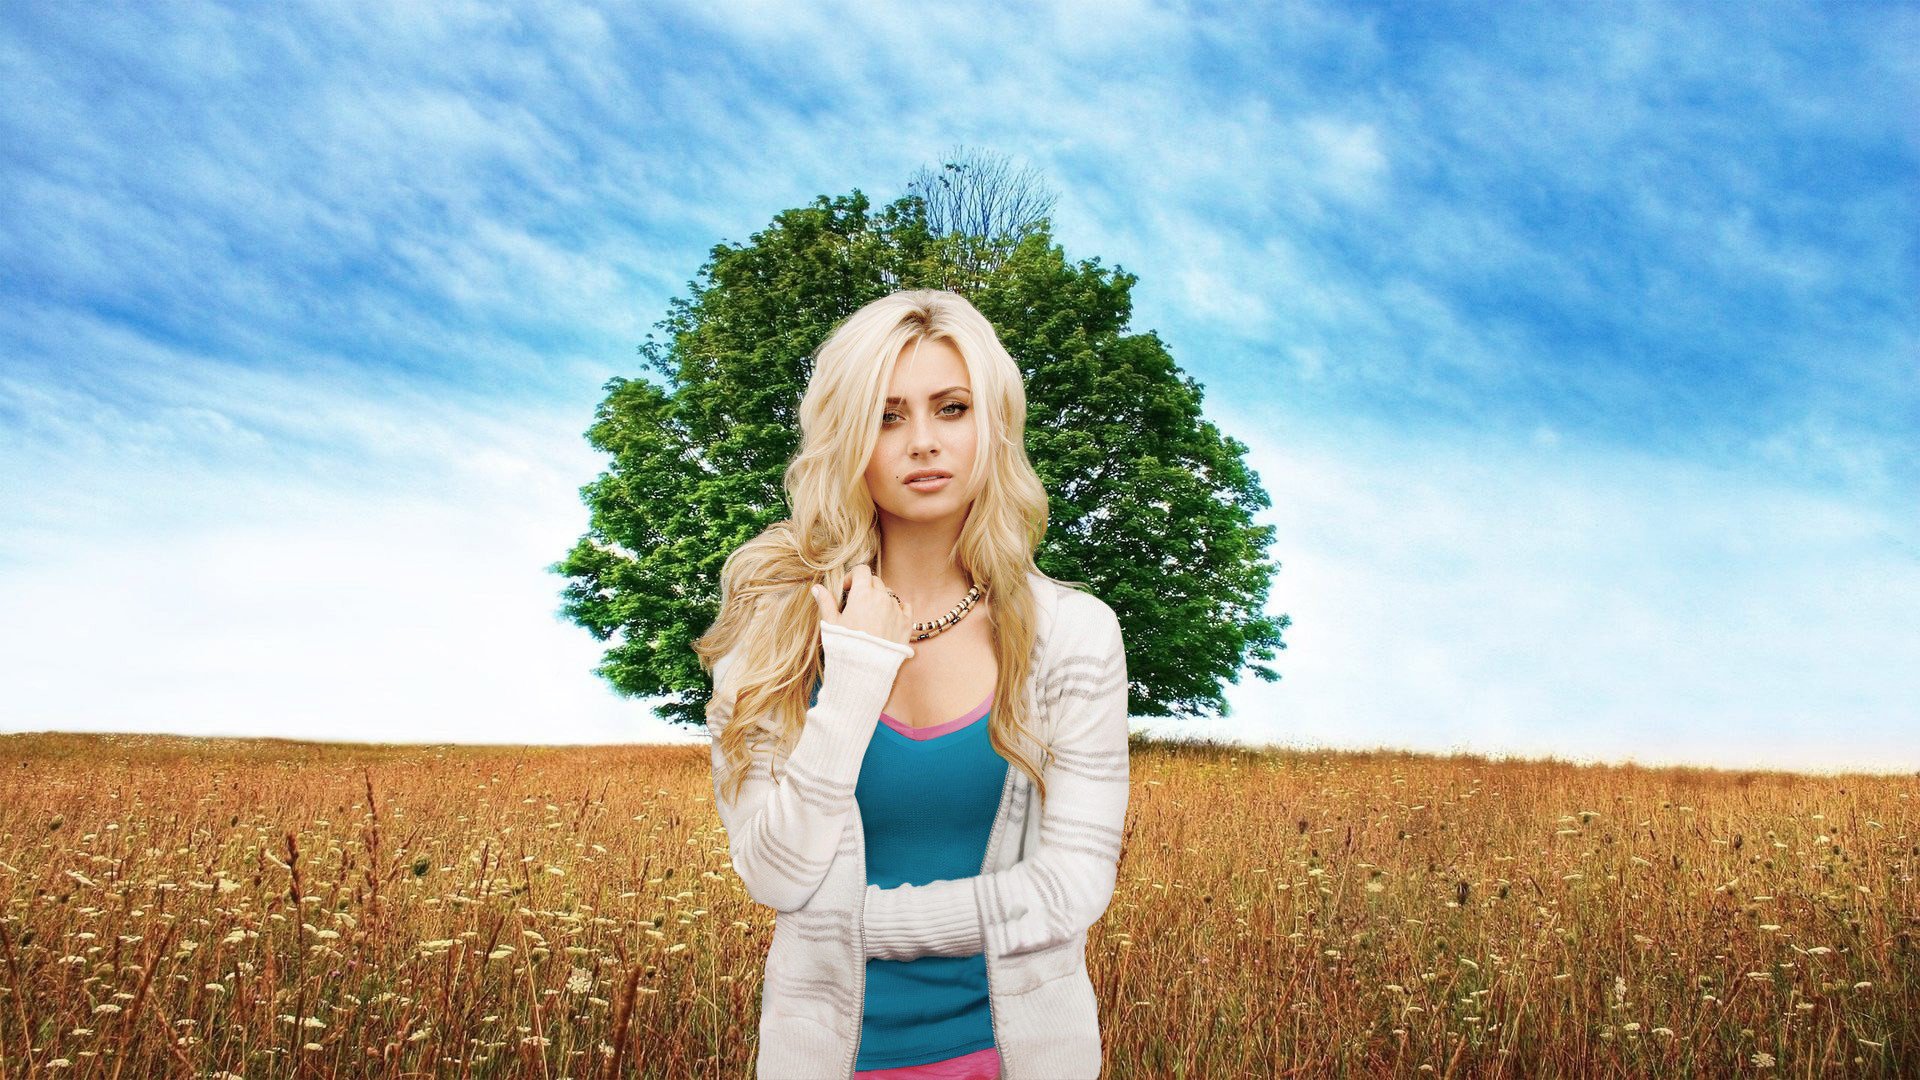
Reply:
x=256 y=907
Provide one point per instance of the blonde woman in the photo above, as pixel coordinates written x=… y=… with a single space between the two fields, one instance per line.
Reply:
x=919 y=741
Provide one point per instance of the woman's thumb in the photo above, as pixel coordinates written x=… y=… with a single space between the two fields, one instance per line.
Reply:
x=820 y=599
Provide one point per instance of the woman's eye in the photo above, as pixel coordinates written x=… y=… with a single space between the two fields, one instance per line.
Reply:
x=887 y=417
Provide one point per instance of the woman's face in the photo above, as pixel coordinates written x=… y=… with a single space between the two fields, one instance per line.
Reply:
x=925 y=426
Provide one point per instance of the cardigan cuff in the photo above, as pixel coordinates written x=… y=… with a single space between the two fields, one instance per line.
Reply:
x=854 y=687
x=940 y=918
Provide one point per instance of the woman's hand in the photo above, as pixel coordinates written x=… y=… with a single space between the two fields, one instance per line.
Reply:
x=870 y=608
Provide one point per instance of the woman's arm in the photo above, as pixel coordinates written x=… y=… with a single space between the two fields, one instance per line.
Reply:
x=1064 y=885
x=782 y=833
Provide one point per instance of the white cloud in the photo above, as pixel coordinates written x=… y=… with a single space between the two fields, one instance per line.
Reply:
x=1609 y=605
x=1353 y=159
x=1445 y=596
x=406 y=600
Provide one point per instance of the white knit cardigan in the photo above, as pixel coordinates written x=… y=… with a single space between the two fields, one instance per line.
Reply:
x=1049 y=872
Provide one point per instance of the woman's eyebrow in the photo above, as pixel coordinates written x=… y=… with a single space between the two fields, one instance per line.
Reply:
x=935 y=394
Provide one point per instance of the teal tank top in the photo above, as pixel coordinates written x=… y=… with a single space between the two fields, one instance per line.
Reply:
x=927 y=799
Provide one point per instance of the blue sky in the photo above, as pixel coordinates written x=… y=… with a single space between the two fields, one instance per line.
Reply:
x=1577 y=345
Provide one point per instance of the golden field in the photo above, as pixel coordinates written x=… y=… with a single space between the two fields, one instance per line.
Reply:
x=260 y=908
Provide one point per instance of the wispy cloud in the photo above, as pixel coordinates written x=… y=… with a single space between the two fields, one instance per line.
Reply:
x=1504 y=596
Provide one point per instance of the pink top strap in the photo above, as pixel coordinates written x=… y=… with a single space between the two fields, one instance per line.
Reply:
x=937 y=730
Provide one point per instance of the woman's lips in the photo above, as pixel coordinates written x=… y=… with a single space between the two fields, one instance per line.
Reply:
x=931 y=483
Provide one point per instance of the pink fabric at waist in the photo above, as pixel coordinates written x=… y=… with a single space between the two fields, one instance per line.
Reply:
x=979 y=1065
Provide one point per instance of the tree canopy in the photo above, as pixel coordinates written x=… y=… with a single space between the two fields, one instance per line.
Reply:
x=1151 y=505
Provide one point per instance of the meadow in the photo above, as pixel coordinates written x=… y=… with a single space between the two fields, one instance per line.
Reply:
x=256 y=908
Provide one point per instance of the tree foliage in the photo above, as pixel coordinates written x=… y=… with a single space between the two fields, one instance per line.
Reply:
x=1151 y=504
x=986 y=207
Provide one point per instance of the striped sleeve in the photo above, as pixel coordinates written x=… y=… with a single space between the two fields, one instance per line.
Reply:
x=782 y=834
x=1063 y=886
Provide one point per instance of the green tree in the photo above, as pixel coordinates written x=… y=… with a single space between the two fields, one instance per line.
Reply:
x=1151 y=505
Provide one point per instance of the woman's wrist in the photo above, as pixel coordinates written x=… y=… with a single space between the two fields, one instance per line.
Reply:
x=854 y=688
x=828 y=631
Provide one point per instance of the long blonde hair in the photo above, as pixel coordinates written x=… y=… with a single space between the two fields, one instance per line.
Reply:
x=766 y=611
